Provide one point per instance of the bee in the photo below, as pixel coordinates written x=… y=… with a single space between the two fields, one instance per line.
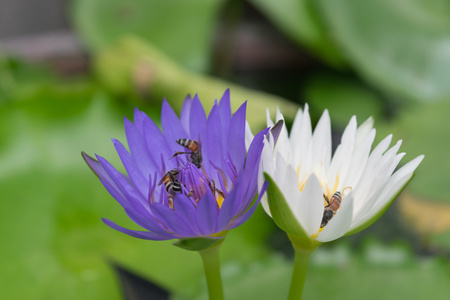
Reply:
x=195 y=147
x=332 y=206
x=172 y=184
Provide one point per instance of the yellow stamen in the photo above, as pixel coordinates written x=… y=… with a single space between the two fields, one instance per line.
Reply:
x=336 y=183
x=220 y=200
x=315 y=235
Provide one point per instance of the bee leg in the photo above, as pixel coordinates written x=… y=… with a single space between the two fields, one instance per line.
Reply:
x=326 y=200
x=190 y=193
x=170 y=197
x=178 y=153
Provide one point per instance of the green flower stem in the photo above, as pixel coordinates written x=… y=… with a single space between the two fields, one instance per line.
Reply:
x=301 y=262
x=210 y=257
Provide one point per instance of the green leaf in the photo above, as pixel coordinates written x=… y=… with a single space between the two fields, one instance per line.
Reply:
x=300 y=21
x=282 y=215
x=182 y=29
x=402 y=47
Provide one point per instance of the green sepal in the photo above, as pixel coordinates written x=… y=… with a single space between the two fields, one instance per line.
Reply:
x=372 y=220
x=285 y=218
x=198 y=243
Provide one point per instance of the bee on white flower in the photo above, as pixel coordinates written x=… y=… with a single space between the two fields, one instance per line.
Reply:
x=302 y=171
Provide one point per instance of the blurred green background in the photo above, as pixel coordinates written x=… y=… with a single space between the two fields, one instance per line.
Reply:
x=67 y=90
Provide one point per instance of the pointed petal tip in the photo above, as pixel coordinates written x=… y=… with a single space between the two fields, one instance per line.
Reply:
x=226 y=94
x=87 y=158
x=136 y=112
x=416 y=161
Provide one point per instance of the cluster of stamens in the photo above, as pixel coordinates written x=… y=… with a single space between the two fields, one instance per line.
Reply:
x=190 y=178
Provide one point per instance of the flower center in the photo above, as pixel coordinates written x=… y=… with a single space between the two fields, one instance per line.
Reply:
x=332 y=198
x=194 y=180
x=321 y=175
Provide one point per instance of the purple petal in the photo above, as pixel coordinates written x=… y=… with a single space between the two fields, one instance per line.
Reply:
x=243 y=218
x=276 y=130
x=116 y=193
x=236 y=138
x=207 y=214
x=132 y=169
x=138 y=148
x=171 y=125
x=197 y=126
x=139 y=120
x=212 y=146
x=96 y=167
x=225 y=112
x=171 y=220
x=185 y=112
x=247 y=194
x=136 y=211
x=158 y=145
x=119 y=180
x=146 y=235
x=227 y=211
x=253 y=158
x=185 y=210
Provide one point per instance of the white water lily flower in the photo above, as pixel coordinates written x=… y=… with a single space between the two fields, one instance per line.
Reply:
x=302 y=172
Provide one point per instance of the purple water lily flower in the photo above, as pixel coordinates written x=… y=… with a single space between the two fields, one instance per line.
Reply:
x=193 y=179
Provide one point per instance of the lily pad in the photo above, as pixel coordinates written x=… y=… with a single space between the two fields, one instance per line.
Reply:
x=424 y=130
x=400 y=46
x=182 y=29
x=300 y=20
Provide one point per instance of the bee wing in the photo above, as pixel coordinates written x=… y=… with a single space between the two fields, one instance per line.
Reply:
x=199 y=144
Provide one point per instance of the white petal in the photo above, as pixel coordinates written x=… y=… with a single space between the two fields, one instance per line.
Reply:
x=309 y=209
x=359 y=159
x=396 y=182
x=269 y=119
x=363 y=130
x=301 y=137
x=385 y=194
x=340 y=223
x=297 y=126
x=248 y=135
x=279 y=116
x=265 y=205
x=266 y=158
x=283 y=145
x=369 y=176
x=342 y=159
x=286 y=180
x=322 y=141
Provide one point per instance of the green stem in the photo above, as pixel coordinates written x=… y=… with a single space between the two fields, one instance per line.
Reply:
x=301 y=262
x=210 y=257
